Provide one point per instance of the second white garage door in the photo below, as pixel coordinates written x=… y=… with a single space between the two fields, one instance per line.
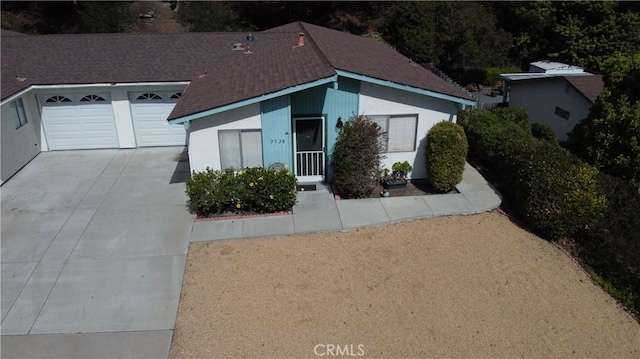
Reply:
x=150 y=111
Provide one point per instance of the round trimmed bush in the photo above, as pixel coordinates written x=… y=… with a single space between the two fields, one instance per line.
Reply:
x=446 y=155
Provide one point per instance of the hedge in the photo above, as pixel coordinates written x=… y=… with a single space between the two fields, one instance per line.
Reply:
x=254 y=189
x=544 y=132
x=446 y=155
x=488 y=130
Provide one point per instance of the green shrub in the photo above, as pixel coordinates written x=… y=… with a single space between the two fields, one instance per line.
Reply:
x=611 y=247
x=257 y=190
x=544 y=132
x=446 y=155
x=487 y=131
x=356 y=158
x=554 y=192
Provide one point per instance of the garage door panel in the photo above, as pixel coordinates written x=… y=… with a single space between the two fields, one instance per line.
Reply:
x=151 y=126
x=73 y=125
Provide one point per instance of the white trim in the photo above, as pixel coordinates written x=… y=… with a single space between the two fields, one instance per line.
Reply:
x=80 y=86
x=295 y=149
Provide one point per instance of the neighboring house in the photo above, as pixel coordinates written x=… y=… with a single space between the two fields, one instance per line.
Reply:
x=556 y=94
x=235 y=99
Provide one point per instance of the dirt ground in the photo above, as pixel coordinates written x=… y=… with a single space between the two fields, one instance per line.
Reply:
x=467 y=286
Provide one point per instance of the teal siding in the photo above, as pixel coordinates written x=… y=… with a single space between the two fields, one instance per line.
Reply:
x=277 y=114
x=309 y=102
x=342 y=102
x=276 y=131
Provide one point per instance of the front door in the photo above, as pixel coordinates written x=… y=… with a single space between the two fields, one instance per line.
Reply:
x=309 y=148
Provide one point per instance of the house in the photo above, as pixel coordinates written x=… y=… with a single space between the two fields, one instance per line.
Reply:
x=553 y=93
x=234 y=99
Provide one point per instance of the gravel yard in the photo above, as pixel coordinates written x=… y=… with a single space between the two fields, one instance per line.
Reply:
x=465 y=286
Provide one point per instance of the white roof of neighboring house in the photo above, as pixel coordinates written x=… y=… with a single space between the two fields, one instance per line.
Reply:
x=539 y=75
x=549 y=67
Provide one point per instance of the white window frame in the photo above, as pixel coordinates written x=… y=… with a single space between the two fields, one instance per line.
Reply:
x=386 y=121
x=242 y=148
x=21 y=116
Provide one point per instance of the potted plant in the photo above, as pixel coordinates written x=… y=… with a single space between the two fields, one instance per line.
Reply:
x=397 y=177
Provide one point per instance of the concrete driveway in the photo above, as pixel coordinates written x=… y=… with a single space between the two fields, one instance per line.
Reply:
x=94 y=244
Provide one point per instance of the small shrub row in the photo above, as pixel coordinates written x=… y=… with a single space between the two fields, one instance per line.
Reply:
x=256 y=190
x=446 y=155
x=356 y=158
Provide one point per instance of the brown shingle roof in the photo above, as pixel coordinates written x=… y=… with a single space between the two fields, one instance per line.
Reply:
x=231 y=76
x=371 y=58
x=589 y=86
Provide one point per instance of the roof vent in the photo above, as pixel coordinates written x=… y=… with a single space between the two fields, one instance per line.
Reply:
x=250 y=37
x=300 y=40
x=237 y=47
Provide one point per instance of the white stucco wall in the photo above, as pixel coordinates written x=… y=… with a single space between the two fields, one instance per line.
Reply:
x=379 y=100
x=540 y=98
x=204 y=150
x=20 y=145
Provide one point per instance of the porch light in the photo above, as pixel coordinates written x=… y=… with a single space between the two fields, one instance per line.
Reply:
x=339 y=124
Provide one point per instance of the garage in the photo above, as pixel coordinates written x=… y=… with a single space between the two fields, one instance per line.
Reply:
x=149 y=111
x=79 y=121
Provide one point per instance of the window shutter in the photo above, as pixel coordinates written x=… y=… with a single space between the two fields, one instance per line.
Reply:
x=402 y=134
x=251 y=148
x=230 y=155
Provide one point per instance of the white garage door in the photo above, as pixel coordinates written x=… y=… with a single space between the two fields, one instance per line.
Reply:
x=79 y=121
x=150 y=111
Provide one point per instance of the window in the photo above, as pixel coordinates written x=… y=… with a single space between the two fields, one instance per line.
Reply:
x=401 y=131
x=20 y=116
x=57 y=99
x=240 y=148
x=567 y=87
x=93 y=98
x=149 y=96
x=562 y=113
x=176 y=95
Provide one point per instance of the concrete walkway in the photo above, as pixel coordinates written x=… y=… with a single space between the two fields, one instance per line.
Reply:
x=317 y=211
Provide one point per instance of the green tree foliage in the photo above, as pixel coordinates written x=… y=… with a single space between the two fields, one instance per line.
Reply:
x=209 y=16
x=447 y=33
x=583 y=33
x=609 y=137
x=356 y=158
x=106 y=17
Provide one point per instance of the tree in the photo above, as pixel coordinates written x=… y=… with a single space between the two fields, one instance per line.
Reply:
x=449 y=34
x=583 y=33
x=106 y=17
x=208 y=16
x=609 y=137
